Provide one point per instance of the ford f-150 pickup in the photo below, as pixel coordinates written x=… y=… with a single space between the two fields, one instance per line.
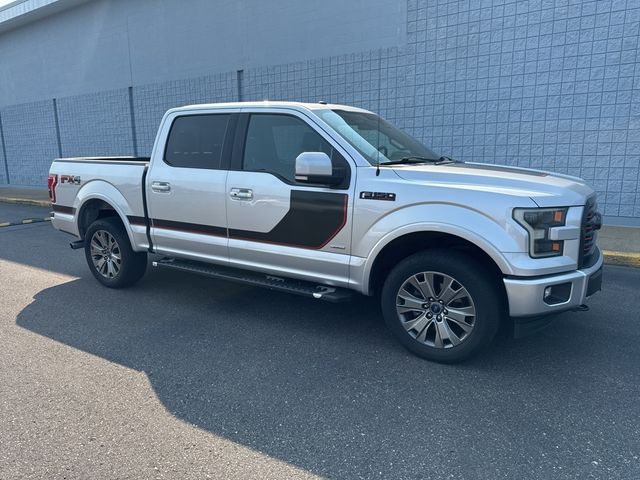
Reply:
x=326 y=200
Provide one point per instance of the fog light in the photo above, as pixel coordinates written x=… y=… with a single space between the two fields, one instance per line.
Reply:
x=556 y=294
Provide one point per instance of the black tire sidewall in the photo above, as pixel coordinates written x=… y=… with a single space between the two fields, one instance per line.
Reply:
x=481 y=285
x=133 y=264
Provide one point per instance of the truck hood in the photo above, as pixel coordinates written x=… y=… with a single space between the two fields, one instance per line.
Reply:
x=544 y=188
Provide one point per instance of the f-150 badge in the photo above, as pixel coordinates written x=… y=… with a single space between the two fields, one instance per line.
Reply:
x=390 y=197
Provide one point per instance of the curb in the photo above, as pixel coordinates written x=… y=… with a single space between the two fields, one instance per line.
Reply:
x=26 y=221
x=626 y=259
x=26 y=201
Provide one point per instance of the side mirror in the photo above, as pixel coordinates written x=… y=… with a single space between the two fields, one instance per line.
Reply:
x=315 y=167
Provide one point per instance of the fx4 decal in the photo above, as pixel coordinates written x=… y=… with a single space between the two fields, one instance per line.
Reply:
x=72 y=179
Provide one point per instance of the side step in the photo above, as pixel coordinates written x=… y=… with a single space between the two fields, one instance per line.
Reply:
x=298 y=287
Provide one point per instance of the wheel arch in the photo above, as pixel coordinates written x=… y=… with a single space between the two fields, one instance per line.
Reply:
x=103 y=197
x=93 y=209
x=405 y=242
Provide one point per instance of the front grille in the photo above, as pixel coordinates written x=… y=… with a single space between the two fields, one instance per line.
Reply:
x=590 y=224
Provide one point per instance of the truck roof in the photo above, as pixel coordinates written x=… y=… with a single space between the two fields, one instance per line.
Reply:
x=269 y=104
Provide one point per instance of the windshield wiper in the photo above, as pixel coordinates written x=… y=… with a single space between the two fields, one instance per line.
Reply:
x=418 y=159
x=411 y=159
x=444 y=159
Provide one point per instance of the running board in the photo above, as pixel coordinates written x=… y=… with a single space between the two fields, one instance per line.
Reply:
x=298 y=287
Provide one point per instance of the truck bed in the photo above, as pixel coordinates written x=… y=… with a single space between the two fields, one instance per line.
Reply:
x=78 y=179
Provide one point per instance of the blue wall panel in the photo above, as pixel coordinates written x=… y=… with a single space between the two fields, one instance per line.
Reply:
x=30 y=141
x=96 y=124
x=376 y=80
x=538 y=84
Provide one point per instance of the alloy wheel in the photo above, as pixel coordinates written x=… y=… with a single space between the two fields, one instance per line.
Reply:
x=435 y=309
x=105 y=254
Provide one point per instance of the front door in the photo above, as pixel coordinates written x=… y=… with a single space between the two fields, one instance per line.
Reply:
x=186 y=188
x=276 y=224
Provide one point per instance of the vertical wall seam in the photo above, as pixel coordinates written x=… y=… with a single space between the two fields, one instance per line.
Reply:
x=57 y=124
x=129 y=53
x=4 y=152
x=134 y=135
x=240 y=86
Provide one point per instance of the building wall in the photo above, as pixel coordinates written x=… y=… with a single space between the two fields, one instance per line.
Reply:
x=110 y=44
x=95 y=123
x=539 y=83
x=30 y=141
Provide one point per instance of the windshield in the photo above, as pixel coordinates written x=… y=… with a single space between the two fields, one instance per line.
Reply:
x=376 y=139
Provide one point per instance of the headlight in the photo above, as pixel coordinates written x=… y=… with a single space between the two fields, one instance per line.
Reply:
x=538 y=221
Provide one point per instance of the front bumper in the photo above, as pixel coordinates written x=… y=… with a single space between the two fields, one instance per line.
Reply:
x=526 y=296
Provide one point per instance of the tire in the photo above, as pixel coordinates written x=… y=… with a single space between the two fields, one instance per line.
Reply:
x=119 y=265
x=429 y=328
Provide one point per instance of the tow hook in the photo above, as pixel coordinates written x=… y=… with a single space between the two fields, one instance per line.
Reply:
x=581 y=308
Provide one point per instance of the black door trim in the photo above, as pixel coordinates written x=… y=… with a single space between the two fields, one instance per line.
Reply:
x=313 y=220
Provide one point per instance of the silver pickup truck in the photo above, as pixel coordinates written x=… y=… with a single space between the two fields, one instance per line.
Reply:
x=326 y=200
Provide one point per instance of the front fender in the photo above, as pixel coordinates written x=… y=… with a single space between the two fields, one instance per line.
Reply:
x=491 y=236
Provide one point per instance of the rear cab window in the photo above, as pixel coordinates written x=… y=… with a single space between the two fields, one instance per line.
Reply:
x=196 y=141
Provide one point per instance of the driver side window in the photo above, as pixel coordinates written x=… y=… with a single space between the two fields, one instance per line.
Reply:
x=274 y=141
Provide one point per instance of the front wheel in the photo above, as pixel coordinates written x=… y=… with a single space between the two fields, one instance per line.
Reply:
x=442 y=305
x=110 y=256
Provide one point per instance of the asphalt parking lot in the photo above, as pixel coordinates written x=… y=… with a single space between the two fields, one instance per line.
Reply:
x=188 y=377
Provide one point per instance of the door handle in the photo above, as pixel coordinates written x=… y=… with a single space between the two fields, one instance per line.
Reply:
x=241 y=193
x=161 y=187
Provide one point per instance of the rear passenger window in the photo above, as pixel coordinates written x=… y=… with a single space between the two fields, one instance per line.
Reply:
x=195 y=141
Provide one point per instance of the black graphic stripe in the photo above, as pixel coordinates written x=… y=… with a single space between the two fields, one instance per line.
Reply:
x=498 y=168
x=63 y=209
x=180 y=226
x=136 y=220
x=189 y=227
x=313 y=219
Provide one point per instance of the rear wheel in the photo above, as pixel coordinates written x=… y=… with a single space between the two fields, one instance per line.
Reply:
x=110 y=256
x=442 y=305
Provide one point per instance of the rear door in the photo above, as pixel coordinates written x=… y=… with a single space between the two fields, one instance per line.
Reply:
x=186 y=185
x=277 y=224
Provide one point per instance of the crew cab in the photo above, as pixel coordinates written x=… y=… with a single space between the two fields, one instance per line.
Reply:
x=330 y=200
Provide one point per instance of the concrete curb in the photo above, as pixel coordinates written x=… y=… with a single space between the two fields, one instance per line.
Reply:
x=26 y=201
x=627 y=259
x=26 y=221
